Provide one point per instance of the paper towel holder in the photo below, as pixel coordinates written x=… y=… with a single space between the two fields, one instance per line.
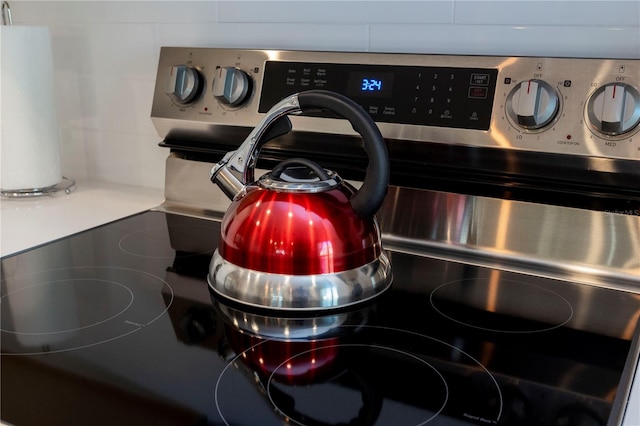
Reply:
x=67 y=185
x=6 y=14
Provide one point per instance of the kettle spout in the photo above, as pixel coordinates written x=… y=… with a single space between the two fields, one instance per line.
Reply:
x=222 y=176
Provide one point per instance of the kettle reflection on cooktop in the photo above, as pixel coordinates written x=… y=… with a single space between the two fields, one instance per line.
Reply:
x=344 y=369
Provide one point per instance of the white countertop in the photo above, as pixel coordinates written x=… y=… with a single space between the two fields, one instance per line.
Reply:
x=26 y=223
x=29 y=222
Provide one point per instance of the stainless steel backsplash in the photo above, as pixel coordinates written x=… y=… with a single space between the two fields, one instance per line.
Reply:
x=593 y=247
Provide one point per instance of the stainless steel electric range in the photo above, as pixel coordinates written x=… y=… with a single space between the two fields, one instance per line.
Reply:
x=512 y=224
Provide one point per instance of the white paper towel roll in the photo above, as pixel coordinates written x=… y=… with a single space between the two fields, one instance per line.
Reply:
x=29 y=142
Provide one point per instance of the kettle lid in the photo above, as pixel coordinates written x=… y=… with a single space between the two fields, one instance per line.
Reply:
x=301 y=176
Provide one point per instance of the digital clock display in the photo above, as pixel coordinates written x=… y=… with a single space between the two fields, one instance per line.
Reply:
x=369 y=84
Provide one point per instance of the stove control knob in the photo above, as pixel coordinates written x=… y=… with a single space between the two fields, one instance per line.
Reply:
x=184 y=84
x=231 y=86
x=614 y=109
x=533 y=104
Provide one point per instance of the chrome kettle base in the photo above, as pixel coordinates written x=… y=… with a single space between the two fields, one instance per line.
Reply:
x=317 y=292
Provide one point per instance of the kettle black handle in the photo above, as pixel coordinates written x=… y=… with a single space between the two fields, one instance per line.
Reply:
x=321 y=173
x=235 y=170
x=370 y=196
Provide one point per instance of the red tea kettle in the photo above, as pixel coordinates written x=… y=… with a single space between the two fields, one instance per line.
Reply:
x=300 y=238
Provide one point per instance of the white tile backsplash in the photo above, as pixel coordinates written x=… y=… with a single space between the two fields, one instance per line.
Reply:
x=504 y=40
x=118 y=104
x=132 y=11
x=127 y=158
x=313 y=36
x=544 y=12
x=106 y=52
x=113 y=156
x=98 y=49
x=337 y=12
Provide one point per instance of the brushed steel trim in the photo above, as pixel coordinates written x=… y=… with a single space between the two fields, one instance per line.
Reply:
x=299 y=292
x=599 y=248
x=296 y=328
x=620 y=405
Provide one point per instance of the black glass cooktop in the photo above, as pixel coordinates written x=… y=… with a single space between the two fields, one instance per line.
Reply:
x=116 y=325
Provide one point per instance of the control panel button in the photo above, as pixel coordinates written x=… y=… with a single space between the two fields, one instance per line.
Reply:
x=533 y=104
x=231 y=86
x=614 y=109
x=183 y=84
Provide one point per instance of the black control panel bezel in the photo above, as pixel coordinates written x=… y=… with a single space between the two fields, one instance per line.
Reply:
x=425 y=96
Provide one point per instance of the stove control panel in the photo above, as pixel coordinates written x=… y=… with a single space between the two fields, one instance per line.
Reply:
x=441 y=96
x=585 y=107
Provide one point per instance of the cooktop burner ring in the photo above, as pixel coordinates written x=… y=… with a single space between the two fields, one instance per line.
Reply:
x=291 y=416
x=488 y=304
x=109 y=303
x=94 y=324
x=239 y=364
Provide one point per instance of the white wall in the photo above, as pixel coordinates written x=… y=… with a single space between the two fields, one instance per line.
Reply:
x=106 y=52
